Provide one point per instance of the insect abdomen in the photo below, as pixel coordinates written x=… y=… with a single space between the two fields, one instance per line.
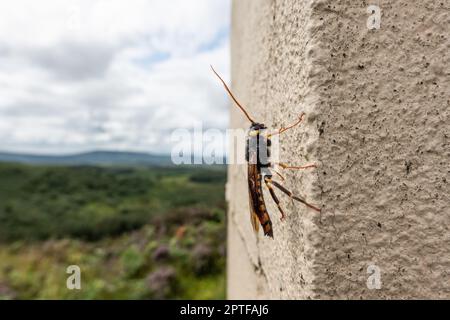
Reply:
x=257 y=148
x=258 y=203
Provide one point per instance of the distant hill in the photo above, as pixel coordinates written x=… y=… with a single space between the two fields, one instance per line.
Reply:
x=90 y=158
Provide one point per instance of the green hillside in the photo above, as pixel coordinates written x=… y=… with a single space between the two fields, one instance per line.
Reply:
x=136 y=233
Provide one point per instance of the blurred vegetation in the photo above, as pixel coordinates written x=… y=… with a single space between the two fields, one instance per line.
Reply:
x=136 y=233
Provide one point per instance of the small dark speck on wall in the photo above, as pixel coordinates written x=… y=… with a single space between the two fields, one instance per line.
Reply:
x=408 y=165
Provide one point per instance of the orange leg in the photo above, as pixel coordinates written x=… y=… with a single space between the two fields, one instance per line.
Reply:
x=268 y=182
x=278 y=174
x=289 y=193
x=286 y=166
x=280 y=131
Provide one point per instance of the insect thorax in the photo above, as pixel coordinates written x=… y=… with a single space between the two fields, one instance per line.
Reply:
x=258 y=146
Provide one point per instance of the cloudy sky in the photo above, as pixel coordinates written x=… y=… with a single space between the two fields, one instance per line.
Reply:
x=86 y=75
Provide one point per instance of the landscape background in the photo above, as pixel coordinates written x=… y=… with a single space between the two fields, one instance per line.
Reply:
x=137 y=227
x=91 y=93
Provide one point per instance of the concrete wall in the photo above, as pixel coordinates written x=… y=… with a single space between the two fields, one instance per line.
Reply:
x=378 y=126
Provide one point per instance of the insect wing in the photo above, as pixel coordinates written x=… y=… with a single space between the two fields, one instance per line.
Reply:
x=254 y=218
x=252 y=176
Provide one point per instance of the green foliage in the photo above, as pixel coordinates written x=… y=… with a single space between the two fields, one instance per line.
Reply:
x=91 y=203
x=132 y=261
x=136 y=233
x=210 y=176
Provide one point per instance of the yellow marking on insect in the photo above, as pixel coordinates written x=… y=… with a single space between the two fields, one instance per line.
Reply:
x=253 y=133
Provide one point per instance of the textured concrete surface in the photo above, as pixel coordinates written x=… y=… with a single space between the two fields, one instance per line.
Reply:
x=378 y=126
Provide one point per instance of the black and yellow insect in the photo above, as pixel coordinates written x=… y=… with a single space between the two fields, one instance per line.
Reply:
x=260 y=169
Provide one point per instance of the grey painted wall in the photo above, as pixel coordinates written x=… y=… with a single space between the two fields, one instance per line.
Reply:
x=377 y=124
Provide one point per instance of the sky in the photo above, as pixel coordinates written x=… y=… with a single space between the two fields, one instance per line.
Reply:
x=87 y=75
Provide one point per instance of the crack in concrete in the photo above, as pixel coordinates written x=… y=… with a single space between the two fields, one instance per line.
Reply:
x=257 y=265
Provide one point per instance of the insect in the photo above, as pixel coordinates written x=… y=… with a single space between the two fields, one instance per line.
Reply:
x=260 y=169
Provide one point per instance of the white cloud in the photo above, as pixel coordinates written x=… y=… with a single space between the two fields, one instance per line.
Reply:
x=109 y=74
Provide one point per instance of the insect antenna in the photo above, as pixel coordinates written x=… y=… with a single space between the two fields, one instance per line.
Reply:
x=232 y=96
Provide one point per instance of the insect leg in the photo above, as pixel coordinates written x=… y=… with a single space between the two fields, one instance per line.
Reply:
x=289 y=193
x=278 y=174
x=280 y=131
x=286 y=166
x=268 y=182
